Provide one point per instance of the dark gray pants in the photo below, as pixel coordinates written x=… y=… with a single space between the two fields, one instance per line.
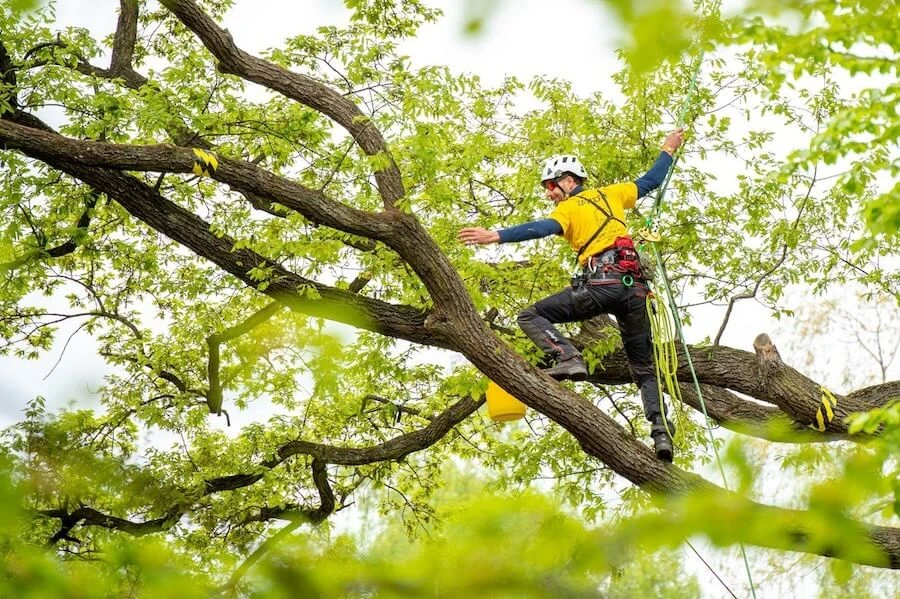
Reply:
x=600 y=296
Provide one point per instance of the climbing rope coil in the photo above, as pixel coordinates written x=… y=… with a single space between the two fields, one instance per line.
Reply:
x=665 y=358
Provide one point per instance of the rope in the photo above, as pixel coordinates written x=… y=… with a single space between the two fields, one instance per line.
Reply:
x=714 y=573
x=665 y=358
x=670 y=380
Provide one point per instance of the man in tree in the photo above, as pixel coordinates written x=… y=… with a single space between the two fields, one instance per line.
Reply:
x=592 y=221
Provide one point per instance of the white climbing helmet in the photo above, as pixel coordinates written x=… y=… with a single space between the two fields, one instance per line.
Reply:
x=557 y=166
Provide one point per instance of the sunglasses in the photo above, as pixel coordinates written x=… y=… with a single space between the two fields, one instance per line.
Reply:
x=550 y=184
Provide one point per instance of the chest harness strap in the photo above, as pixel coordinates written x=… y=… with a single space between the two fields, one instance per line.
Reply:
x=607 y=213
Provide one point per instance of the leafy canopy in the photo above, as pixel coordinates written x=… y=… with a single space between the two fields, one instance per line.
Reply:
x=784 y=159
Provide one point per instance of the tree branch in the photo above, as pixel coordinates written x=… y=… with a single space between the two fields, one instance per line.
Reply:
x=144 y=203
x=86 y=516
x=394 y=449
x=125 y=37
x=753 y=419
x=214 y=395
x=244 y=176
x=295 y=86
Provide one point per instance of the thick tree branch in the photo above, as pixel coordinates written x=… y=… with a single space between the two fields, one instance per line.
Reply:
x=797 y=397
x=241 y=175
x=295 y=86
x=125 y=37
x=753 y=419
x=145 y=204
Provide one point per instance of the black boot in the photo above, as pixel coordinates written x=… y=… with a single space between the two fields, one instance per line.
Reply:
x=572 y=369
x=662 y=439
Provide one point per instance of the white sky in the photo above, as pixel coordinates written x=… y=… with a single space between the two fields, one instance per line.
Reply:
x=523 y=38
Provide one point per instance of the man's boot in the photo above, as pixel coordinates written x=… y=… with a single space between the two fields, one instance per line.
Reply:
x=662 y=438
x=573 y=369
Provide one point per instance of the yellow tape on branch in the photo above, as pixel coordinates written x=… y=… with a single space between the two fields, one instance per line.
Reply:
x=205 y=164
x=829 y=402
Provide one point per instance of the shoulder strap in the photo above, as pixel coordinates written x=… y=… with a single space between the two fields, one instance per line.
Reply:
x=607 y=213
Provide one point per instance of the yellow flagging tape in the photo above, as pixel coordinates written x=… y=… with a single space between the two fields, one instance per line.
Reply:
x=205 y=164
x=829 y=402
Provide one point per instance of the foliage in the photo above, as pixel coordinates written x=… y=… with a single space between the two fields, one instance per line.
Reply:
x=847 y=39
x=794 y=44
x=22 y=5
x=522 y=546
x=752 y=213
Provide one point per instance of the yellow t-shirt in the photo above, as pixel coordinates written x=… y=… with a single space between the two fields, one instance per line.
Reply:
x=580 y=219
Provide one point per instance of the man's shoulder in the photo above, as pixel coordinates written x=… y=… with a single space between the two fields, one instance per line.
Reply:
x=622 y=190
x=624 y=185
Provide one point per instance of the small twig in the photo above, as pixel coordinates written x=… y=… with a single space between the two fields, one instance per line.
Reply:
x=63 y=352
x=621 y=413
x=776 y=266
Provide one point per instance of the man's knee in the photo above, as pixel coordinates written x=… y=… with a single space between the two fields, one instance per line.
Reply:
x=527 y=316
x=646 y=380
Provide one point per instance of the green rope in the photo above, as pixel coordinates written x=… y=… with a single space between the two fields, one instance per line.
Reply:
x=690 y=363
x=665 y=359
x=682 y=114
x=657 y=210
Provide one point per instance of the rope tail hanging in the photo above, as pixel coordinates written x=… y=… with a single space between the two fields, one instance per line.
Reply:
x=665 y=358
x=665 y=351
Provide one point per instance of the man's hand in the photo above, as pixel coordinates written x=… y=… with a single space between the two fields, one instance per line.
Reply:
x=478 y=236
x=673 y=141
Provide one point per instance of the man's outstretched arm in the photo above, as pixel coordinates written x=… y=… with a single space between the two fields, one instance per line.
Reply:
x=531 y=230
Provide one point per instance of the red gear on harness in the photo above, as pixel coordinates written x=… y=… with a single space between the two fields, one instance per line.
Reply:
x=627 y=257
